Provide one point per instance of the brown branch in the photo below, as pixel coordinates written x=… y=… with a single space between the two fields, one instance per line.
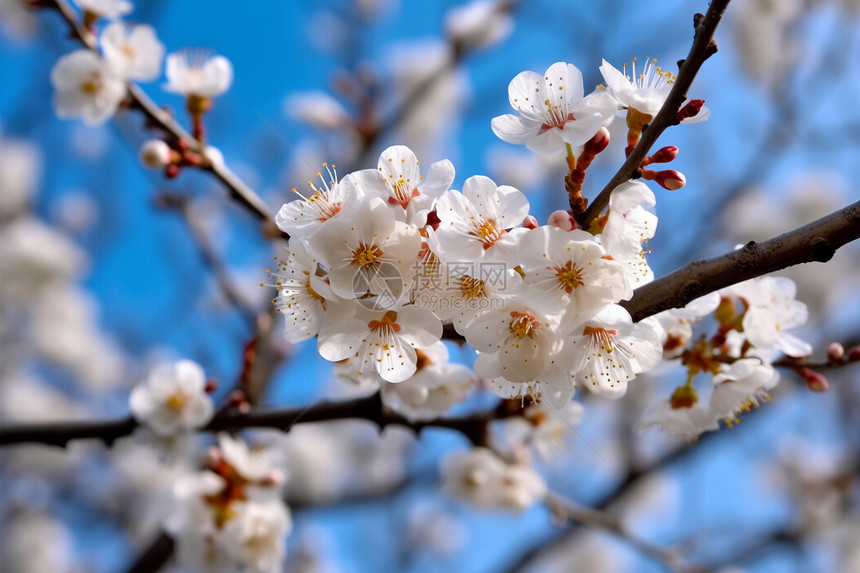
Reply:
x=160 y=118
x=815 y=242
x=370 y=408
x=703 y=47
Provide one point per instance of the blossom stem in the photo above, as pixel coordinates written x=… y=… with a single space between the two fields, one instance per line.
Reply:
x=239 y=190
x=703 y=47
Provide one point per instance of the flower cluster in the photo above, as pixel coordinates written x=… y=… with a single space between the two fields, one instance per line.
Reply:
x=753 y=320
x=379 y=260
x=230 y=516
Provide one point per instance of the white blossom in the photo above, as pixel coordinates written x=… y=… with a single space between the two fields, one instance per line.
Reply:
x=367 y=252
x=87 y=86
x=381 y=341
x=485 y=481
x=481 y=23
x=133 y=50
x=302 y=293
x=255 y=537
x=742 y=386
x=436 y=386
x=609 y=350
x=173 y=399
x=20 y=166
x=110 y=9
x=199 y=73
x=474 y=221
x=552 y=110
x=572 y=271
x=398 y=181
x=686 y=422
x=644 y=90
x=302 y=217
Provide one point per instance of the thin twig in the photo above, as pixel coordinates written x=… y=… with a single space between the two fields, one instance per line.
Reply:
x=569 y=510
x=239 y=190
x=702 y=48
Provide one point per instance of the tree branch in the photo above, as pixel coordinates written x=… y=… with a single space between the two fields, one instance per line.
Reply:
x=160 y=118
x=598 y=519
x=815 y=242
x=703 y=47
x=370 y=408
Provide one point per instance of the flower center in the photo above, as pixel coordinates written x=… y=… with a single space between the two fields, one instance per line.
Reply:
x=472 y=288
x=652 y=76
x=386 y=326
x=523 y=324
x=601 y=336
x=421 y=360
x=556 y=118
x=403 y=194
x=321 y=197
x=366 y=255
x=93 y=85
x=569 y=276
x=310 y=289
x=177 y=401
x=488 y=233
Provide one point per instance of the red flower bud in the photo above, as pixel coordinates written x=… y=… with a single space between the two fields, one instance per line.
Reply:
x=530 y=222
x=814 y=380
x=598 y=143
x=665 y=154
x=692 y=109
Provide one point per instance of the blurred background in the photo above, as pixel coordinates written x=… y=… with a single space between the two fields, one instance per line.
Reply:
x=101 y=278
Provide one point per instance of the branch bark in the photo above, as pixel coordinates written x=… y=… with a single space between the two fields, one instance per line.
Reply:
x=370 y=408
x=815 y=242
x=703 y=47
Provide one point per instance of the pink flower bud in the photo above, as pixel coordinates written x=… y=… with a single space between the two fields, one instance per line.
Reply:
x=561 y=219
x=530 y=222
x=155 y=154
x=670 y=179
x=835 y=352
x=814 y=380
x=598 y=143
x=665 y=154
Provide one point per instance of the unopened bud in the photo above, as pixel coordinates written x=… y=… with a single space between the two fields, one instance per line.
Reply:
x=171 y=171
x=670 y=179
x=854 y=354
x=155 y=154
x=561 y=219
x=691 y=109
x=835 y=352
x=211 y=385
x=598 y=143
x=665 y=154
x=814 y=380
x=530 y=222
